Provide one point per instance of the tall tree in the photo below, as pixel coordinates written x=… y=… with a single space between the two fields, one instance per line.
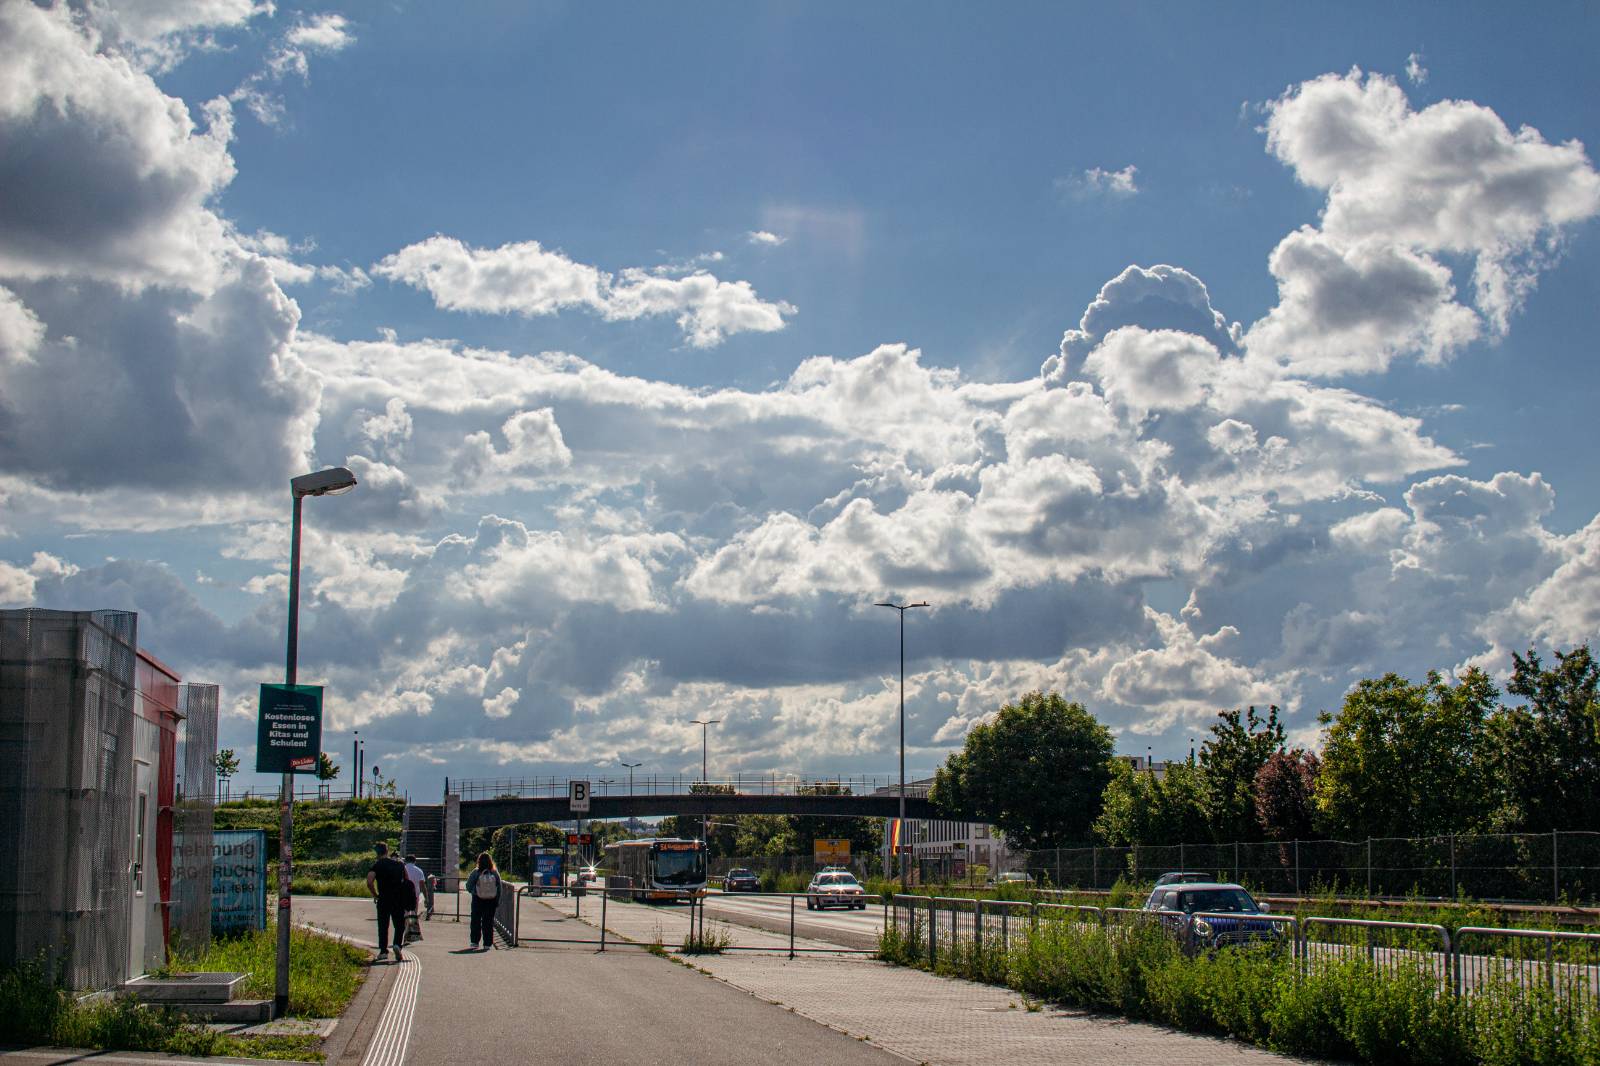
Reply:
x=1142 y=808
x=1284 y=790
x=1240 y=744
x=865 y=834
x=1546 y=752
x=1037 y=771
x=1407 y=760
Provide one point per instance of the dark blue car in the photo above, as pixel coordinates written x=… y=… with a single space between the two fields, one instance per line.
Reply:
x=1213 y=915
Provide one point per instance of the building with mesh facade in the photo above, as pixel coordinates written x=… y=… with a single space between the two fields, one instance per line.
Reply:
x=89 y=807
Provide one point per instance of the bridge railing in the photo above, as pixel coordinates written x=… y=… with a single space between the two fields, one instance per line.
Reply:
x=786 y=784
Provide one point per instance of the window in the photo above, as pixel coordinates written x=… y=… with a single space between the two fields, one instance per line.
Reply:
x=138 y=845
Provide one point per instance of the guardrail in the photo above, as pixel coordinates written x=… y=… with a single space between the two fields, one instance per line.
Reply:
x=1566 y=964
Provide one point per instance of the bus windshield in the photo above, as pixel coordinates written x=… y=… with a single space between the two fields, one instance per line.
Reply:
x=679 y=868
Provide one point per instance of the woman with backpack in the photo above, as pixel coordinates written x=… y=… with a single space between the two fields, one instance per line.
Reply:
x=483 y=886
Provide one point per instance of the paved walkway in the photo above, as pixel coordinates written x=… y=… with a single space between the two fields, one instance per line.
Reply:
x=929 y=1019
x=566 y=1003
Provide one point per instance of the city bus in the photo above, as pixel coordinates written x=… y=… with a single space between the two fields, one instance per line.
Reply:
x=659 y=869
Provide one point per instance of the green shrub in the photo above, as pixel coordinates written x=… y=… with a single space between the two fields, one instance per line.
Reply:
x=1339 y=1007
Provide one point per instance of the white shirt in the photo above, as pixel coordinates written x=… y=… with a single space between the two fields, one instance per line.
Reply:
x=415 y=875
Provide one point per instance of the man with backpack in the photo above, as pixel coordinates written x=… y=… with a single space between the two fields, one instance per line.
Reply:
x=391 y=889
x=483 y=886
x=417 y=878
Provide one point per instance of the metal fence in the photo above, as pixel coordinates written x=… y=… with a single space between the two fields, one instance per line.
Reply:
x=66 y=784
x=190 y=907
x=861 y=865
x=1524 y=867
x=1519 y=964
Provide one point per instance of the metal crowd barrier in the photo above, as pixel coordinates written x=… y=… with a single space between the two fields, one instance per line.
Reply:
x=1567 y=964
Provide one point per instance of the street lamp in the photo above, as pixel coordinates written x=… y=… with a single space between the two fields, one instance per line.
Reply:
x=705 y=728
x=902 y=608
x=330 y=482
x=631 y=767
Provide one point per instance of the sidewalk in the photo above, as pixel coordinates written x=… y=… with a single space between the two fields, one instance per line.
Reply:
x=939 y=1021
x=567 y=1003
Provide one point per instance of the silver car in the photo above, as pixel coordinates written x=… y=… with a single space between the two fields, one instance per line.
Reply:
x=835 y=888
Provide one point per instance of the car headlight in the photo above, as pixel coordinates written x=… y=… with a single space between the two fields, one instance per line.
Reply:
x=1202 y=927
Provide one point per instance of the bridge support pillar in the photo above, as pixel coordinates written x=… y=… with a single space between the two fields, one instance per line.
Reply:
x=451 y=851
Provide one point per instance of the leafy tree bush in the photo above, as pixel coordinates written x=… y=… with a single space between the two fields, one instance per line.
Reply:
x=1038 y=772
x=1141 y=808
x=1284 y=792
x=1544 y=756
x=1407 y=760
x=1240 y=744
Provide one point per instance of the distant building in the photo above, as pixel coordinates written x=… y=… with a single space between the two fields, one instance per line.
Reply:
x=90 y=735
x=939 y=845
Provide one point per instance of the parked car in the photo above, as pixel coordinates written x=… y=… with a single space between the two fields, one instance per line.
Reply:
x=835 y=888
x=741 y=880
x=1178 y=877
x=1203 y=914
x=1012 y=877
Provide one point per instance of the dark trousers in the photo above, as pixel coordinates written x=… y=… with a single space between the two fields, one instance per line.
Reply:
x=482 y=927
x=391 y=911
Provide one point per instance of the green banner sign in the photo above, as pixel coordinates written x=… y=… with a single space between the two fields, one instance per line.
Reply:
x=289 y=729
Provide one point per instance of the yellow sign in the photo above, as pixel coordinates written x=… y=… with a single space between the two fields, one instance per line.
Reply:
x=831 y=851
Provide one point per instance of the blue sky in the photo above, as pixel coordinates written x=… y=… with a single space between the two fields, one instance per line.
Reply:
x=666 y=340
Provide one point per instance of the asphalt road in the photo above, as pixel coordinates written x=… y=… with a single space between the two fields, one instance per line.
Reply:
x=568 y=1004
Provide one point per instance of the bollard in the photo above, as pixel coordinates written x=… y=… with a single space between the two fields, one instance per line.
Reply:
x=791 y=927
x=603 y=897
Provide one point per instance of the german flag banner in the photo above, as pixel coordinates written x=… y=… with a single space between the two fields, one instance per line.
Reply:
x=894 y=836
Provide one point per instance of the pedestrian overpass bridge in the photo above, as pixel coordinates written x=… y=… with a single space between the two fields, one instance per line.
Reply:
x=486 y=804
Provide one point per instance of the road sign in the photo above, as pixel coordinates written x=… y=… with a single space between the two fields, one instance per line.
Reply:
x=580 y=840
x=289 y=729
x=578 y=797
x=830 y=851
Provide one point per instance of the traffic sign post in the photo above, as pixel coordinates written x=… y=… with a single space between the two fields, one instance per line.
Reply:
x=578 y=797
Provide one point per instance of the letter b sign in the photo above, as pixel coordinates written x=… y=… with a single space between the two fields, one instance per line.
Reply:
x=578 y=796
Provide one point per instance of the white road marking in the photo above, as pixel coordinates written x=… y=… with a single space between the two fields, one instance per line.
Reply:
x=389 y=1043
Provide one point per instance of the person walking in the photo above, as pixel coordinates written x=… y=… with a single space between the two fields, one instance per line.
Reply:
x=483 y=886
x=389 y=887
x=418 y=879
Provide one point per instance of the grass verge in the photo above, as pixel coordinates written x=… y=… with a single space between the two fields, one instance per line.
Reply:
x=323 y=973
x=34 y=1010
x=1342 y=1007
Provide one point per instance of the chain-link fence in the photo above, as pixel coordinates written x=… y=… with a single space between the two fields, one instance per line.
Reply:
x=190 y=913
x=862 y=866
x=66 y=786
x=1539 y=867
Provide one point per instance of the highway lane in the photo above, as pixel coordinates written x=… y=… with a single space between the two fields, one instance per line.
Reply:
x=847 y=928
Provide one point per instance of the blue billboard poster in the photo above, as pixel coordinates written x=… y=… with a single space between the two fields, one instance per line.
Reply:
x=547 y=871
x=238 y=880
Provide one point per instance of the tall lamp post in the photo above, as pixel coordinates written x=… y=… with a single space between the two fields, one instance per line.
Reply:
x=902 y=608
x=330 y=482
x=705 y=819
x=632 y=766
x=355 y=764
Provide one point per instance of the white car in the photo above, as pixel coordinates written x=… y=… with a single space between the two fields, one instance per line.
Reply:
x=835 y=888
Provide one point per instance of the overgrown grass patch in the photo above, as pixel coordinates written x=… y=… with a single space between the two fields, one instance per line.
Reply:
x=34 y=1010
x=1339 y=1006
x=323 y=973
